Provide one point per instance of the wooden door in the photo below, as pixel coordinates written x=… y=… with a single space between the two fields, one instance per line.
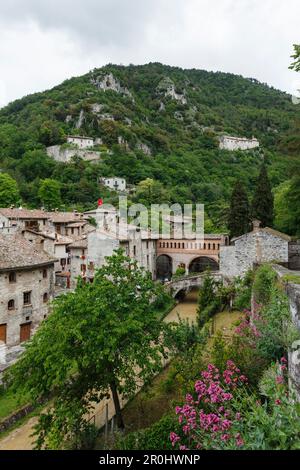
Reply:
x=3 y=332
x=25 y=332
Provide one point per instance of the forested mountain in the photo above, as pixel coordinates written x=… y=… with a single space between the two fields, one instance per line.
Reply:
x=159 y=122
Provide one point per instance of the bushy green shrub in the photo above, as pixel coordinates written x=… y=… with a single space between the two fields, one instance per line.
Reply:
x=156 y=437
x=264 y=280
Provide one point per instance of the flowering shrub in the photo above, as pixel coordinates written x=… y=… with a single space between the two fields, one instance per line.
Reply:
x=208 y=420
x=226 y=414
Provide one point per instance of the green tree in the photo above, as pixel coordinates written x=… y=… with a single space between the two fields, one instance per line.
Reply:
x=263 y=200
x=283 y=217
x=106 y=337
x=150 y=191
x=9 y=193
x=296 y=56
x=49 y=193
x=238 y=217
x=293 y=198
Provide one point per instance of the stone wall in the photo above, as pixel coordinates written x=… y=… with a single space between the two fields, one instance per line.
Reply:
x=26 y=280
x=237 y=143
x=64 y=155
x=250 y=249
x=294 y=255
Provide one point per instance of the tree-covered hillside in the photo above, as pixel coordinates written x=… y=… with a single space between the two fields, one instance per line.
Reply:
x=159 y=122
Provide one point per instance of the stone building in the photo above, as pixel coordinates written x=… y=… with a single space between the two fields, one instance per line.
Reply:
x=65 y=155
x=26 y=286
x=227 y=142
x=112 y=233
x=259 y=246
x=62 y=221
x=82 y=142
x=78 y=261
x=114 y=183
x=19 y=218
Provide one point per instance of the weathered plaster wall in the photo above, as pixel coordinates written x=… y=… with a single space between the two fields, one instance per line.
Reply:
x=65 y=155
x=31 y=280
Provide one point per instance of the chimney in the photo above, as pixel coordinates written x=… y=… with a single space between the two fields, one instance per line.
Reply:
x=256 y=225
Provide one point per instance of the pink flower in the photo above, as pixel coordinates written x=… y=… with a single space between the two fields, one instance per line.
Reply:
x=277 y=402
x=225 y=437
x=189 y=398
x=283 y=359
x=279 y=379
x=238 y=440
x=174 y=438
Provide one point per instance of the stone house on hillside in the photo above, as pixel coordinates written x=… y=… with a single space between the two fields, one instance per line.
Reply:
x=26 y=286
x=259 y=246
x=14 y=218
x=82 y=142
x=114 y=183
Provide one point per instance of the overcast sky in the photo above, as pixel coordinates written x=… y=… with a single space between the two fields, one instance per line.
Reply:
x=43 y=42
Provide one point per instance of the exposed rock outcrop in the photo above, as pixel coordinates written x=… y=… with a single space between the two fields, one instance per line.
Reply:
x=109 y=82
x=167 y=86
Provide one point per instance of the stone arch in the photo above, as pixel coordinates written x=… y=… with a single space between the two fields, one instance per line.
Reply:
x=164 y=267
x=180 y=294
x=203 y=263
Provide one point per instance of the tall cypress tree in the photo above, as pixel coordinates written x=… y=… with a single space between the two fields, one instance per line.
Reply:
x=263 y=201
x=238 y=217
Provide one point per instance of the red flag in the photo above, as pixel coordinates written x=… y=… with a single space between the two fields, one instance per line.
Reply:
x=100 y=202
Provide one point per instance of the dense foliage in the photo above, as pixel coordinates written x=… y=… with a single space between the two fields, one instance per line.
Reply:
x=239 y=212
x=106 y=337
x=185 y=162
x=263 y=200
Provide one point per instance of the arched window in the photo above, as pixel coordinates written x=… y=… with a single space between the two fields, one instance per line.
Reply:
x=11 y=304
x=45 y=297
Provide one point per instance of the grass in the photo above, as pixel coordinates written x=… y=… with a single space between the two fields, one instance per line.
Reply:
x=292 y=278
x=10 y=402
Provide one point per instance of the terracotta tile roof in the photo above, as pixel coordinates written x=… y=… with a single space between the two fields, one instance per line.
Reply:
x=63 y=240
x=269 y=230
x=17 y=252
x=276 y=233
x=64 y=217
x=23 y=213
x=51 y=236
x=79 y=243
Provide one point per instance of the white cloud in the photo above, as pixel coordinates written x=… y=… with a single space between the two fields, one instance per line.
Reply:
x=43 y=43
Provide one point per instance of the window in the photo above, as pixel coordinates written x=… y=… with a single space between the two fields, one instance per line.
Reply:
x=83 y=267
x=11 y=304
x=45 y=298
x=12 y=277
x=45 y=274
x=134 y=250
x=27 y=298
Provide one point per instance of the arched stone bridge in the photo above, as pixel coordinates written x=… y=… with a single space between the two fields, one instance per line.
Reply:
x=186 y=283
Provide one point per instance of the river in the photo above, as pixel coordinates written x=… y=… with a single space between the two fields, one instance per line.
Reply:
x=186 y=309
